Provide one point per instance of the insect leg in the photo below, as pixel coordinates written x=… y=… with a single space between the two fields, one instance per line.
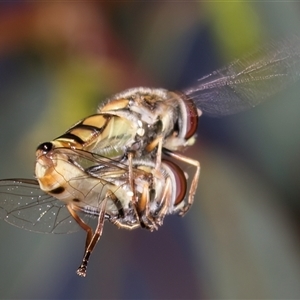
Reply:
x=150 y=147
x=117 y=203
x=81 y=271
x=142 y=211
x=145 y=219
x=82 y=224
x=134 y=200
x=195 y=180
x=159 y=153
x=130 y=176
x=126 y=226
x=164 y=203
x=116 y=221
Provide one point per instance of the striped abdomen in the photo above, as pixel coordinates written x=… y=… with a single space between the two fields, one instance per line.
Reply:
x=104 y=134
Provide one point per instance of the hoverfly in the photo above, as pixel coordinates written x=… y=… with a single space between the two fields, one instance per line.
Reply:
x=79 y=185
x=111 y=165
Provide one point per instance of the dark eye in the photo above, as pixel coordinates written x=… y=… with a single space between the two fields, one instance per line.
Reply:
x=45 y=147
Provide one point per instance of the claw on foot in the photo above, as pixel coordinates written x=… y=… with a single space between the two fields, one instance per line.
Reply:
x=81 y=271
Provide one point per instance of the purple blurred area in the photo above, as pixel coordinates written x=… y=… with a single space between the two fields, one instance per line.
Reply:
x=58 y=61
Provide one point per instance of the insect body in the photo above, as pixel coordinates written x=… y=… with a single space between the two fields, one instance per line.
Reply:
x=139 y=122
x=112 y=165
x=95 y=186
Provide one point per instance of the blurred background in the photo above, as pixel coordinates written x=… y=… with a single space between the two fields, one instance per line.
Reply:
x=58 y=61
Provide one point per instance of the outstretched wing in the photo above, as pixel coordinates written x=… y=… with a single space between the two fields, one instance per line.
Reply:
x=248 y=81
x=25 y=205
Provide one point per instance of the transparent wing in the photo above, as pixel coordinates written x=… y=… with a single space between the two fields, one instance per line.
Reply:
x=248 y=81
x=25 y=205
x=95 y=165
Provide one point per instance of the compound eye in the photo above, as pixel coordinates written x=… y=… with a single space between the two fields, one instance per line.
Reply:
x=180 y=184
x=45 y=147
x=192 y=118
